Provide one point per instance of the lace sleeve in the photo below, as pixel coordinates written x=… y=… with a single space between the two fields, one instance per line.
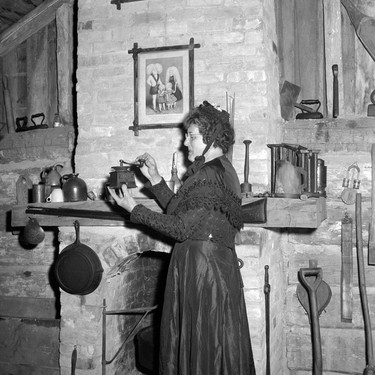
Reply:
x=179 y=227
x=161 y=192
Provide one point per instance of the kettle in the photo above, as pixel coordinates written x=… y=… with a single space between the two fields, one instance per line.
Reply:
x=50 y=176
x=74 y=188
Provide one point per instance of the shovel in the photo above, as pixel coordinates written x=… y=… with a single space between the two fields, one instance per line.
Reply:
x=314 y=295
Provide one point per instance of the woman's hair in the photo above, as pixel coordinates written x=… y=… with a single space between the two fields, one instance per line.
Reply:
x=207 y=118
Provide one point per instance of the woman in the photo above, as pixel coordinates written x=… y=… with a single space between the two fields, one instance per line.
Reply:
x=172 y=76
x=204 y=328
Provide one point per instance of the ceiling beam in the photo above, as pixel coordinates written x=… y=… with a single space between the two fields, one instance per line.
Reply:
x=29 y=24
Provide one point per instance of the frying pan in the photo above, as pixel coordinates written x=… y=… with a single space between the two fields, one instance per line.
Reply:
x=78 y=268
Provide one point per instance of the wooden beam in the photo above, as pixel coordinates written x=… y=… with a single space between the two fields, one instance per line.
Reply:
x=64 y=51
x=281 y=213
x=30 y=24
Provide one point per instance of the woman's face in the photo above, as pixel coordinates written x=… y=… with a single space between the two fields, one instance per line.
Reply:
x=194 y=142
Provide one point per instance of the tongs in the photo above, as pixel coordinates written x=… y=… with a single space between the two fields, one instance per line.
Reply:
x=139 y=163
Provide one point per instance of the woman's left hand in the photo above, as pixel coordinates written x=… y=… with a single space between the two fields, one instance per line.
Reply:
x=123 y=199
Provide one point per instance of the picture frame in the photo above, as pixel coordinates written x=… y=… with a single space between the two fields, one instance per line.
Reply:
x=163 y=85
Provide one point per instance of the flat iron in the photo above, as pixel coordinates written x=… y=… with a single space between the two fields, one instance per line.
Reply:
x=308 y=112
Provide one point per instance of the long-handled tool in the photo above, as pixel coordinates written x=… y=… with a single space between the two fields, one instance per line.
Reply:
x=371 y=245
x=370 y=368
x=267 y=290
x=346 y=269
x=314 y=295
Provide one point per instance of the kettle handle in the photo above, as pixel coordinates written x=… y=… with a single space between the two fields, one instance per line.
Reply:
x=68 y=176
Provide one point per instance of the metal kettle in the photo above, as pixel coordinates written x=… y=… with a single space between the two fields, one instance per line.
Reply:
x=74 y=188
x=50 y=176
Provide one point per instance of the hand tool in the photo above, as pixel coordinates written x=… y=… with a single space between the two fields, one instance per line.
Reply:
x=346 y=269
x=275 y=157
x=370 y=368
x=335 y=109
x=267 y=290
x=314 y=295
x=371 y=245
x=288 y=97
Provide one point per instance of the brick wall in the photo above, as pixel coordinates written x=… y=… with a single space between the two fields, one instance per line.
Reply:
x=129 y=281
x=342 y=142
x=237 y=55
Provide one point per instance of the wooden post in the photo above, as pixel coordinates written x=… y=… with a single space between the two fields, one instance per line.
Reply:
x=64 y=47
x=37 y=68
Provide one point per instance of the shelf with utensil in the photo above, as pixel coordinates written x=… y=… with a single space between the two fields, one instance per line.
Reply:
x=276 y=212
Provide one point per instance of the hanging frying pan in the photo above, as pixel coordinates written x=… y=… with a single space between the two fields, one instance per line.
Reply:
x=78 y=268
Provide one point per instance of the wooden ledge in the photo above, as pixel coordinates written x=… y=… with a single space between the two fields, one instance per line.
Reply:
x=281 y=213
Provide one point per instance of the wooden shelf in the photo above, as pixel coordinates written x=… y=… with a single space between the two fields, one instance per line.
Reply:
x=293 y=213
x=281 y=213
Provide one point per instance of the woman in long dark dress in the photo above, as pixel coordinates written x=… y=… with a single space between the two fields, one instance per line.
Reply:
x=204 y=327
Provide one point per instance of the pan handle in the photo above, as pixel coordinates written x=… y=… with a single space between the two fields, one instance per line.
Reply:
x=76 y=227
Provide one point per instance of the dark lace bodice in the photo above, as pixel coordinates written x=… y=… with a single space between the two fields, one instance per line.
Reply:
x=207 y=207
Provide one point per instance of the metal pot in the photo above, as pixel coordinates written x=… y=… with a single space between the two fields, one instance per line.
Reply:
x=74 y=188
x=78 y=268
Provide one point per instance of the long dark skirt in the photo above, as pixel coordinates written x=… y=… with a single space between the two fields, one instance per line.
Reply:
x=204 y=328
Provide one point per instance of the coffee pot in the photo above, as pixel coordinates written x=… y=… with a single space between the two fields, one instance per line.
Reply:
x=50 y=176
x=74 y=188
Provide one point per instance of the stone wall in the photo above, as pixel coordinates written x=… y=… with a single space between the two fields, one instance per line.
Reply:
x=28 y=294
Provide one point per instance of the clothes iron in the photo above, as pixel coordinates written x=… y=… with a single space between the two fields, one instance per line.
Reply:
x=308 y=112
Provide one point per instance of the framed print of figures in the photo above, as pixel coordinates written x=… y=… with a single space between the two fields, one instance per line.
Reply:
x=163 y=85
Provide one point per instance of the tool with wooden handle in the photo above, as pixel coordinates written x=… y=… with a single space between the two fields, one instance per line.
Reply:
x=346 y=269
x=370 y=365
x=314 y=295
x=335 y=109
x=267 y=290
x=371 y=245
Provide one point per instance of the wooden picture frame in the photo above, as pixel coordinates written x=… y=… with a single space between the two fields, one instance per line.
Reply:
x=163 y=85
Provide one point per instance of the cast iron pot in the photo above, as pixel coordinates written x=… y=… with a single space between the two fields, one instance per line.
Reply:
x=78 y=268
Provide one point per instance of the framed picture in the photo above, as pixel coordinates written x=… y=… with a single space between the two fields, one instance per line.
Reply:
x=163 y=85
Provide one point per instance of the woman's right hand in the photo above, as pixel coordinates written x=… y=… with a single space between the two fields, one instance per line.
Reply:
x=149 y=168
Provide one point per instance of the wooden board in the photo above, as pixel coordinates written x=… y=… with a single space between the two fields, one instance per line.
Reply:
x=27 y=307
x=281 y=213
x=30 y=24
